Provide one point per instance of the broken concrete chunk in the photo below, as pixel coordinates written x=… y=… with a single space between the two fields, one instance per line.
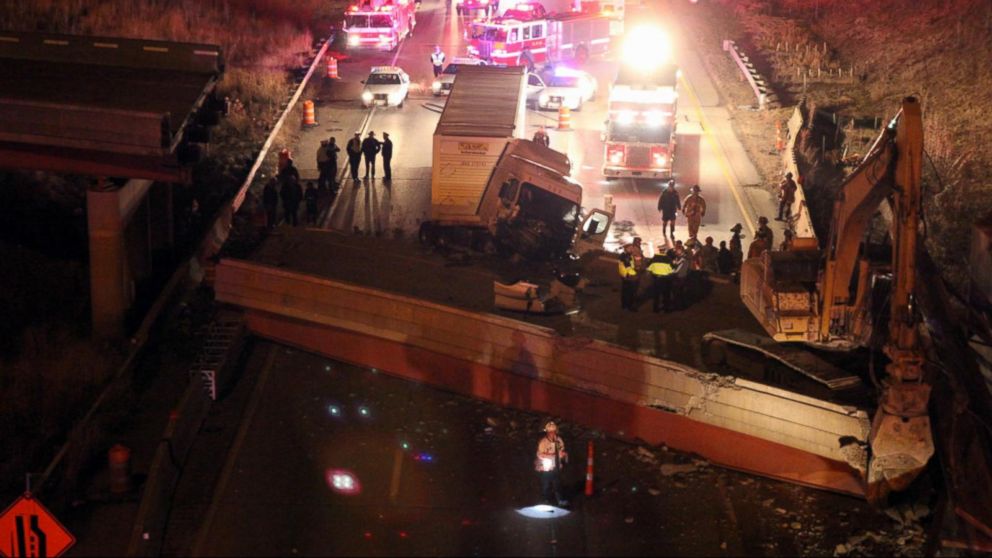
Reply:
x=669 y=469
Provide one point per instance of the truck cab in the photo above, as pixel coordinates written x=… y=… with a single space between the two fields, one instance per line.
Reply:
x=532 y=204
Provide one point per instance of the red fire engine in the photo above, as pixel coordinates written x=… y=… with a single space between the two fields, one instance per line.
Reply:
x=526 y=35
x=640 y=132
x=379 y=24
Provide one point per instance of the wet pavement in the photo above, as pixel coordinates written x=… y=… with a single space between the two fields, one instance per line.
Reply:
x=442 y=474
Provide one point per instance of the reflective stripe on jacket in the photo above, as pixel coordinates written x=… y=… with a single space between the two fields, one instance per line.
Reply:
x=627 y=271
x=660 y=269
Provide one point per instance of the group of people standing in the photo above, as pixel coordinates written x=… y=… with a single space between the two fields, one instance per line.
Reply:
x=286 y=186
x=370 y=148
x=678 y=274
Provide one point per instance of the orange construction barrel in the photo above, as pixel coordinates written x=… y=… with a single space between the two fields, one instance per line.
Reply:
x=119 y=459
x=309 y=118
x=332 y=67
x=564 y=118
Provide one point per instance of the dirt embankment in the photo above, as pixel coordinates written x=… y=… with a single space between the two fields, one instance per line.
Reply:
x=858 y=60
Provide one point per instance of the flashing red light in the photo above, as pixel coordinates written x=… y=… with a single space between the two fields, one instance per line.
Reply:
x=616 y=154
x=659 y=156
x=403 y=534
x=368 y=535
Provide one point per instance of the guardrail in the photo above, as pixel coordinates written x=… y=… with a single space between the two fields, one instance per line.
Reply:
x=766 y=97
x=800 y=222
x=224 y=219
x=169 y=460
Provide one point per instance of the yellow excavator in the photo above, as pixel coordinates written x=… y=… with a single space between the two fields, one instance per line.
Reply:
x=829 y=297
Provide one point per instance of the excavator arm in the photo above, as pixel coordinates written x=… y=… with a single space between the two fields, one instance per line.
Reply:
x=828 y=307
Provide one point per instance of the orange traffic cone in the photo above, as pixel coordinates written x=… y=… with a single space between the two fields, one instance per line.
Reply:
x=589 y=471
x=332 y=67
x=779 y=143
x=564 y=118
x=309 y=119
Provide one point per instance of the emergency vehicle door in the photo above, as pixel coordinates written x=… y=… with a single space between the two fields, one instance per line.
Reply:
x=591 y=236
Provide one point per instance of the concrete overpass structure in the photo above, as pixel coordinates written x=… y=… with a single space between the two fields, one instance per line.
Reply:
x=108 y=108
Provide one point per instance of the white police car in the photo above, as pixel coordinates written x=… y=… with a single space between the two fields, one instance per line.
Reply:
x=561 y=87
x=386 y=86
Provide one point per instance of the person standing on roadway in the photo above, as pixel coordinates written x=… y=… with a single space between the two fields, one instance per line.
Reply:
x=332 y=163
x=736 y=246
x=322 y=166
x=551 y=459
x=541 y=137
x=669 y=206
x=660 y=268
x=354 y=149
x=437 y=60
x=628 y=282
x=786 y=196
x=387 y=156
x=292 y=195
x=370 y=147
x=765 y=232
x=694 y=209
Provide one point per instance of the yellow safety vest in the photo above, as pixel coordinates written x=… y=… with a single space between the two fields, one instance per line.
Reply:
x=627 y=271
x=660 y=269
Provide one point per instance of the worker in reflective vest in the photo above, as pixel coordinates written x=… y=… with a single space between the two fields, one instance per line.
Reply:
x=437 y=60
x=551 y=457
x=660 y=268
x=628 y=282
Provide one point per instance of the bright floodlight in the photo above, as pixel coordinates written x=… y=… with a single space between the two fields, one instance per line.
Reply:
x=543 y=511
x=646 y=47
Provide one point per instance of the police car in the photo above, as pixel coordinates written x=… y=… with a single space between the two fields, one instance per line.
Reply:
x=386 y=86
x=442 y=84
x=561 y=87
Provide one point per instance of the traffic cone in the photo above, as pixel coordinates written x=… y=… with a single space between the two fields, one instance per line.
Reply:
x=589 y=471
x=564 y=118
x=779 y=143
x=309 y=119
x=332 y=67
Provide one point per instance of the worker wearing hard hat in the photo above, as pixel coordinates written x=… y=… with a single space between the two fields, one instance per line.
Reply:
x=694 y=209
x=551 y=457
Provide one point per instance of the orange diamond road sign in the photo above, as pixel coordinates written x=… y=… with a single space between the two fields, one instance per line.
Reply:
x=27 y=529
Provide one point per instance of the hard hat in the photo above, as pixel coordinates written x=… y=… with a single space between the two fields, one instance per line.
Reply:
x=762 y=219
x=551 y=427
x=695 y=188
x=788 y=175
x=671 y=182
x=736 y=228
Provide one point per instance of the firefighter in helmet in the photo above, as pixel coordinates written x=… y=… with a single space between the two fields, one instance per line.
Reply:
x=551 y=459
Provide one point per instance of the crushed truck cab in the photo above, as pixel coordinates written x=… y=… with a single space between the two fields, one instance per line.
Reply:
x=493 y=190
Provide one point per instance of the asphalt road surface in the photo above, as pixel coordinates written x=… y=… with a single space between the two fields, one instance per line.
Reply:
x=436 y=473
x=714 y=159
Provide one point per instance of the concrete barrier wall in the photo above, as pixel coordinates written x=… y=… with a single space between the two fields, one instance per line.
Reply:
x=520 y=364
x=801 y=221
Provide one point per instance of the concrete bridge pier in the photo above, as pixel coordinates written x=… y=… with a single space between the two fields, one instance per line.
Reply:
x=127 y=227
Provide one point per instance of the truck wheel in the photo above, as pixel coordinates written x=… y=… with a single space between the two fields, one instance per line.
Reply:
x=582 y=55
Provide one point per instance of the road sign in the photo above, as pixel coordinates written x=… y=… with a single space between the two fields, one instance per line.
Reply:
x=27 y=529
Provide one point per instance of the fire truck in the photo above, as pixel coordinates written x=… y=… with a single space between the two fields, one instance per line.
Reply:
x=526 y=35
x=639 y=139
x=379 y=24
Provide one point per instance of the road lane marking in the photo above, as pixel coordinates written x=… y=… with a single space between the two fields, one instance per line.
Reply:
x=721 y=157
x=232 y=456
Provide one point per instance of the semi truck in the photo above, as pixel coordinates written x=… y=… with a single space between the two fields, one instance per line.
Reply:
x=493 y=190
